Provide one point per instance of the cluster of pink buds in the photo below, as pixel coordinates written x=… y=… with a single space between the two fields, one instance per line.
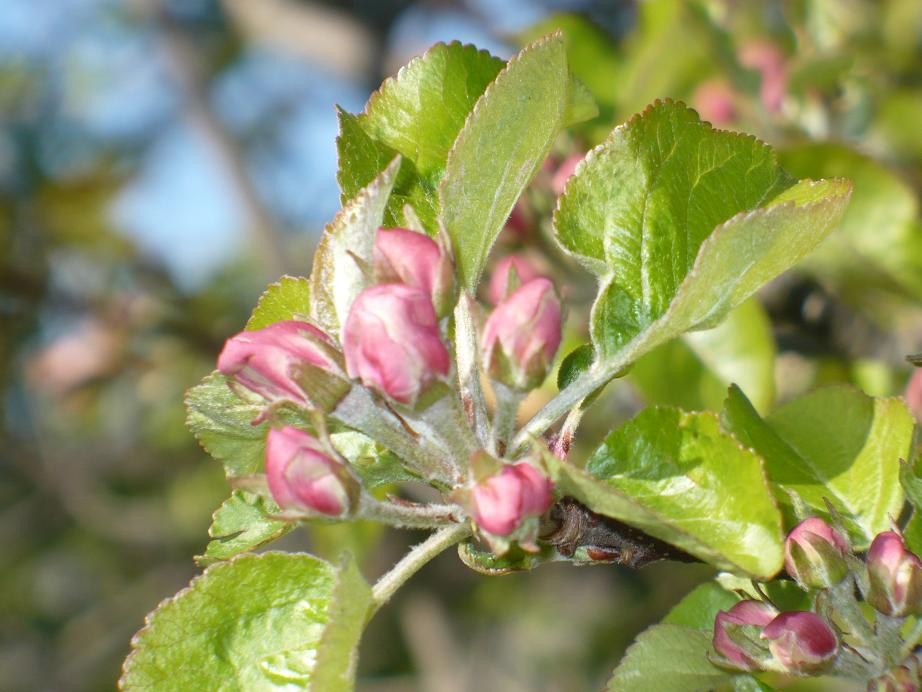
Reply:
x=755 y=636
x=391 y=360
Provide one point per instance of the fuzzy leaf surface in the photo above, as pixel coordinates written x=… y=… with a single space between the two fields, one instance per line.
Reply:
x=680 y=478
x=344 y=255
x=500 y=148
x=242 y=523
x=275 y=620
x=682 y=222
x=286 y=299
x=694 y=371
x=834 y=443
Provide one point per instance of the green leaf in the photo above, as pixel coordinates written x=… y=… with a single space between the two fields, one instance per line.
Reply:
x=680 y=478
x=835 y=443
x=912 y=532
x=255 y=622
x=699 y=608
x=344 y=256
x=681 y=223
x=911 y=480
x=286 y=299
x=694 y=371
x=417 y=114
x=375 y=464
x=241 y=524
x=420 y=112
x=222 y=423
x=669 y=658
x=500 y=148
x=878 y=235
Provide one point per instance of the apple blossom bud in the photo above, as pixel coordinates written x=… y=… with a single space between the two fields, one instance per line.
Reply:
x=766 y=58
x=814 y=554
x=285 y=360
x=914 y=394
x=713 y=100
x=801 y=641
x=522 y=334
x=749 y=612
x=415 y=259
x=525 y=271
x=302 y=476
x=564 y=171
x=392 y=343
x=895 y=576
x=500 y=503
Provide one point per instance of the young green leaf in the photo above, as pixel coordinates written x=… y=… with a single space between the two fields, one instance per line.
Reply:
x=343 y=260
x=669 y=658
x=375 y=464
x=878 y=235
x=835 y=444
x=500 y=148
x=286 y=299
x=221 y=421
x=417 y=114
x=241 y=524
x=680 y=478
x=699 y=607
x=255 y=622
x=682 y=222
x=694 y=371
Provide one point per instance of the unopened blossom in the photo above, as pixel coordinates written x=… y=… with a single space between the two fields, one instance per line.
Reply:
x=270 y=361
x=392 y=343
x=521 y=336
x=500 y=503
x=564 y=171
x=302 y=476
x=746 y=612
x=714 y=101
x=525 y=271
x=895 y=576
x=415 y=259
x=914 y=394
x=767 y=58
x=801 y=641
x=814 y=554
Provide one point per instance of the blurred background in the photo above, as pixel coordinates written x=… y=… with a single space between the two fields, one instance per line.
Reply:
x=162 y=161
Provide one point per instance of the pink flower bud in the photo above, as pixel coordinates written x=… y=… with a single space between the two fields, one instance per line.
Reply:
x=766 y=58
x=713 y=100
x=499 y=278
x=521 y=336
x=302 y=476
x=404 y=256
x=914 y=394
x=802 y=642
x=500 y=503
x=754 y=613
x=270 y=361
x=564 y=171
x=391 y=342
x=814 y=554
x=895 y=576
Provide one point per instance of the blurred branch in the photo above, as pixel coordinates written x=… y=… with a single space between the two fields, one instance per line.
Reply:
x=309 y=31
x=435 y=650
x=181 y=56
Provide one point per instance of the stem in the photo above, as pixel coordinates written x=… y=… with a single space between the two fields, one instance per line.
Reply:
x=414 y=560
x=359 y=411
x=468 y=358
x=505 y=416
x=408 y=515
